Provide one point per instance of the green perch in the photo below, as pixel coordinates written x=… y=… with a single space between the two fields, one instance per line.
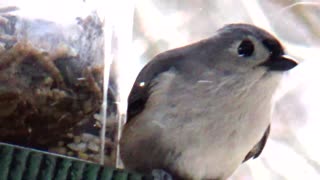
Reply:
x=18 y=163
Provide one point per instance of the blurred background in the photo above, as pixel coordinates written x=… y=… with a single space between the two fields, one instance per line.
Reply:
x=135 y=31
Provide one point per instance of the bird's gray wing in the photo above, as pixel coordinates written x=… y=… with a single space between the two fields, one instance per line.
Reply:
x=142 y=87
x=257 y=149
x=172 y=59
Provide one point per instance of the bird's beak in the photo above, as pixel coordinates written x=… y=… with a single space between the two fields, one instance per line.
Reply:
x=280 y=63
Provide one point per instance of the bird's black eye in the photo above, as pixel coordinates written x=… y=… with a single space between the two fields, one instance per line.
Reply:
x=245 y=48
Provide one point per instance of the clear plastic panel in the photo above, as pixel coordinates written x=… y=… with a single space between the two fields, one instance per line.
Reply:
x=54 y=78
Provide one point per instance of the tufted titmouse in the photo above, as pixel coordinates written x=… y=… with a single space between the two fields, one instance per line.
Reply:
x=201 y=110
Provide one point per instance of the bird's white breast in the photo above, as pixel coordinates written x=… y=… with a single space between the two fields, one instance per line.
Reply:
x=211 y=124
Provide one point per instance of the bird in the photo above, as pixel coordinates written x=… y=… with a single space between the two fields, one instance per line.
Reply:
x=201 y=110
